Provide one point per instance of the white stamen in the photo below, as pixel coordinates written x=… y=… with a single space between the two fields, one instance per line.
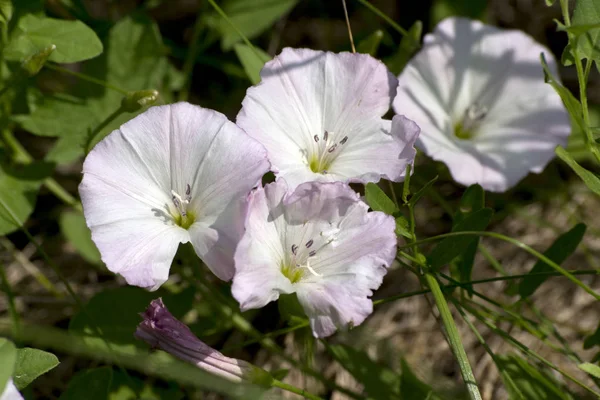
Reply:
x=312 y=271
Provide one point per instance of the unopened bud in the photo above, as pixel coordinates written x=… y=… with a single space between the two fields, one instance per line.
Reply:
x=162 y=330
x=34 y=63
x=139 y=99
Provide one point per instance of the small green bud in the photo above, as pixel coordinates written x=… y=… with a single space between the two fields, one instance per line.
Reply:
x=34 y=63
x=139 y=99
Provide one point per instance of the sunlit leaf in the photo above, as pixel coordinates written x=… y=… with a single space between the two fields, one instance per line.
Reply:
x=252 y=60
x=590 y=179
x=571 y=103
x=32 y=363
x=402 y=227
x=559 y=251
x=586 y=15
x=73 y=226
x=378 y=200
x=591 y=369
x=74 y=40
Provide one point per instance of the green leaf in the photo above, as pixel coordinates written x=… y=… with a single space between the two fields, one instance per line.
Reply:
x=559 y=251
x=549 y=3
x=531 y=382
x=118 y=327
x=378 y=200
x=128 y=387
x=252 y=60
x=472 y=200
x=589 y=178
x=8 y=356
x=6 y=11
x=587 y=42
x=73 y=39
x=409 y=44
x=370 y=44
x=411 y=387
x=571 y=103
x=591 y=369
x=73 y=227
x=251 y=17
x=379 y=382
x=134 y=60
x=32 y=363
x=402 y=226
x=451 y=247
x=19 y=186
x=417 y=196
x=92 y=384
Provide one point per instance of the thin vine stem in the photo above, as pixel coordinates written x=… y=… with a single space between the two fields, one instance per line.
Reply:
x=453 y=336
x=383 y=16
x=293 y=389
x=85 y=77
x=517 y=243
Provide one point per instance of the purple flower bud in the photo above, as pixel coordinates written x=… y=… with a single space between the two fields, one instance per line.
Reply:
x=161 y=330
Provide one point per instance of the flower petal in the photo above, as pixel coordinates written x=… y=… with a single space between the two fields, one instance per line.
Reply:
x=385 y=154
x=464 y=63
x=10 y=392
x=304 y=93
x=258 y=279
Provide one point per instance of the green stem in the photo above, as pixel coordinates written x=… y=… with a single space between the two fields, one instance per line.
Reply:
x=453 y=336
x=86 y=78
x=235 y=28
x=383 y=16
x=522 y=347
x=23 y=156
x=517 y=243
x=293 y=389
x=480 y=281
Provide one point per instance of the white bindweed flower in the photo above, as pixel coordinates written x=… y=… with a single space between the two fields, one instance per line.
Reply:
x=174 y=174
x=479 y=96
x=318 y=114
x=10 y=392
x=318 y=242
x=160 y=329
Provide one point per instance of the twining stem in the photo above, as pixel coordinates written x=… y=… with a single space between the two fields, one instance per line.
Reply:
x=453 y=336
x=21 y=155
x=86 y=78
x=293 y=389
x=517 y=243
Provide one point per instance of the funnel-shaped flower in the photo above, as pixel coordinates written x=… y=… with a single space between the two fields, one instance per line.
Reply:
x=479 y=96
x=318 y=114
x=161 y=330
x=10 y=392
x=174 y=174
x=318 y=242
